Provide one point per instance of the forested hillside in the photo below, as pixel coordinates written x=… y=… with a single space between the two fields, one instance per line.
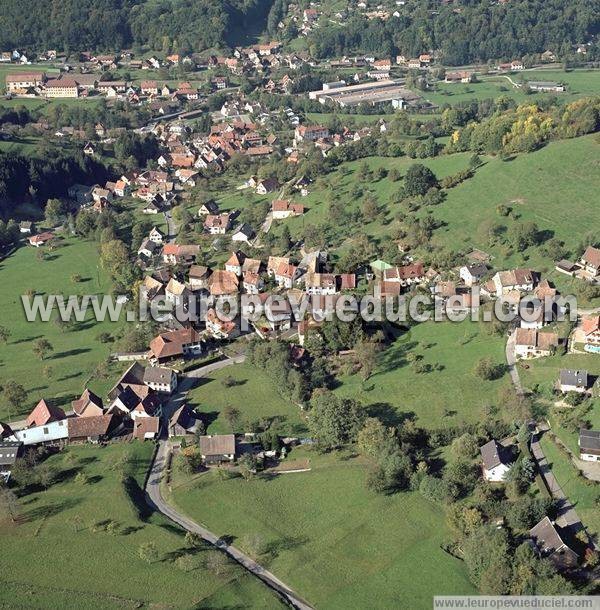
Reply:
x=178 y=25
x=468 y=30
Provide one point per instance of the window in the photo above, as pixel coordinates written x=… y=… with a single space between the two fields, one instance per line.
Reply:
x=45 y=430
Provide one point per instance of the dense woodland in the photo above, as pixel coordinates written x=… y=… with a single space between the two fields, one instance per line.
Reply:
x=477 y=32
x=178 y=25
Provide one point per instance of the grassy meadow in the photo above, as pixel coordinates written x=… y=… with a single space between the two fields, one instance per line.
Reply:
x=80 y=563
x=449 y=396
x=77 y=350
x=253 y=394
x=338 y=544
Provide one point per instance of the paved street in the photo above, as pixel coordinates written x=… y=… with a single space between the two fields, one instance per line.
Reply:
x=511 y=360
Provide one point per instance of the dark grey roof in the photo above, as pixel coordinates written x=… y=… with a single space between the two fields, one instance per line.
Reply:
x=589 y=439
x=246 y=229
x=157 y=374
x=545 y=536
x=574 y=378
x=9 y=452
x=477 y=269
x=490 y=454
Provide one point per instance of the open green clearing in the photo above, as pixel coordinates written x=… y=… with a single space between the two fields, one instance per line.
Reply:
x=557 y=187
x=59 y=556
x=579 y=83
x=581 y=492
x=448 y=397
x=337 y=544
x=253 y=394
x=77 y=350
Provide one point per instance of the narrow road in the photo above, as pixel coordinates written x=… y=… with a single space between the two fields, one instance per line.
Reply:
x=566 y=516
x=511 y=360
x=155 y=499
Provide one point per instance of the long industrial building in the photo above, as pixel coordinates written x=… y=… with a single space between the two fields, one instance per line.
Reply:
x=377 y=92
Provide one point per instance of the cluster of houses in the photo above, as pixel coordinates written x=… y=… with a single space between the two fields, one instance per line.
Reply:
x=546 y=537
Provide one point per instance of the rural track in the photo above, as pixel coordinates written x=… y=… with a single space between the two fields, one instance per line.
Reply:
x=156 y=500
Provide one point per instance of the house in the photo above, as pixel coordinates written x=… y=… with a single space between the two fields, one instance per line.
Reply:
x=10 y=451
x=217 y=448
x=22 y=82
x=472 y=274
x=570 y=380
x=285 y=274
x=220 y=328
x=156 y=235
x=310 y=133
x=462 y=76
x=243 y=233
x=235 y=262
x=548 y=543
x=148 y=248
x=517 y=65
x=61 y=87
x=223 y=282
x=252 y=282
x=589 y=445
x=93 y=429
x=198 y=276
x=590 y=327
x=176 y=344
x=149 y=87
x=217 y=224
x=522 y=280
x=53 y=433
x=175 y=254
x=43 y=413
x=25 y=227
x=530 y=343
x=183 y=422
x=320 y=283
x=495 y=464
x=160 y=379
x=146 y=428
x=283 y=208
x=209 y=207
x=41 y=239
x=88 y=405
x=546 y=86
x=269 y=185
x=590 y=261
x=176 y=293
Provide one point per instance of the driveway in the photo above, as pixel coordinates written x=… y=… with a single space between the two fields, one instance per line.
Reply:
x=511 y=360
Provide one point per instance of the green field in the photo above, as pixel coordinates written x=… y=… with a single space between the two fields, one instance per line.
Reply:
x=557 y=187
x=337 y=544
x=59 y=556
x=77 y=351
x=253 y=395
x=448 y=397
x=581 y=492
x=579 y=83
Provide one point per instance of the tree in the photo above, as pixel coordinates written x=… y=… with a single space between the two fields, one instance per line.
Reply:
x=4 y=334
x=193 y=540
x=14 y=393
x=55 y=211
x=9 y=505
x=488 y=370
x=418 y=180
x=46 y=474
x=41 y=348
x=465 y=446
x=232 y=416
x=366 y=354
x=147 y=552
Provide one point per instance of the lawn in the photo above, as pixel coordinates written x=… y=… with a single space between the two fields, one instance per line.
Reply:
x=451 y=396
x=76 y=563
x=253 y=394
x=556 y=187
x=337 y=544
x=77 y=351
x=582 y=493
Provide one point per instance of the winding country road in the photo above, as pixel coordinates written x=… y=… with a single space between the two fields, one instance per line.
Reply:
x=155 y=499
